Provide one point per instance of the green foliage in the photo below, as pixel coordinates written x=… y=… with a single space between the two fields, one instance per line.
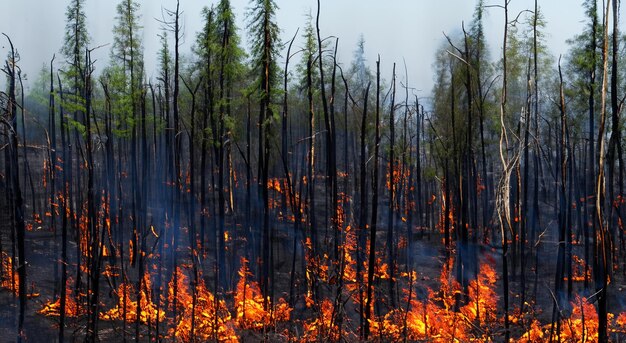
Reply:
x=76 y=36
x=74 y=48
x=429 y=173
x=265 y=45
x=219 y=63
x=517 y=56
x=165 y=58
x=449 y=108
x=127 y=47
x=121 y=102
x=206 y=45
x=230 y=123
x=359 y=73
x=73 y=103
x=579 y=66
x=309 y=51
x=230 y=53
x=75 y=124
x=40 y=90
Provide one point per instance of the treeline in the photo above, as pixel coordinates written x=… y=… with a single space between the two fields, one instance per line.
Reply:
x=320 y=183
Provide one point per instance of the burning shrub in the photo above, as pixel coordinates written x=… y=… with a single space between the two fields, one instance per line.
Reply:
x=438 y=318
x=250 y=305
x=8 y=278
x=207 y=319
x=322 y=328
x=483 y=298
x=71 y=305
x=127 y=304
x=582 y=325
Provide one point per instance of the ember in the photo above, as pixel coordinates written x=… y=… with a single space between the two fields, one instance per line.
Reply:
x=127 y=304
x=322 y=328
x=204 y=318
x=8 y=277
x=72 y=309
x=250 y=305
x=230 y=195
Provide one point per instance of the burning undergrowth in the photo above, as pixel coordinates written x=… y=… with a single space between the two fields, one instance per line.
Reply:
x=330 y=300
x=330 y=296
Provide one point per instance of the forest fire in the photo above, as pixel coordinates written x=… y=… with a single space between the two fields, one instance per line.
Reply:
x=284 y=199
x=282 y=193
x=322 y=327
x=578 y=270
x=252 y=310
x=127 y=307
x=200 y=315
x=72 y=308
x=8 y=276
x=580 y=326
x=442 y=316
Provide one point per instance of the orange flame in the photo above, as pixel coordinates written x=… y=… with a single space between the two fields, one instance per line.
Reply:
x=127 y=304
x=249 y=303
x=9 y=279
x=210 y=317
x=322 y=328
x=53 y=308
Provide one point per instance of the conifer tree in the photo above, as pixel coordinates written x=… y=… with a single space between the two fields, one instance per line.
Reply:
x=264 y=51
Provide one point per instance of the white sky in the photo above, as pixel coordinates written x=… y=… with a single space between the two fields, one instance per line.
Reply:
x=395 y=29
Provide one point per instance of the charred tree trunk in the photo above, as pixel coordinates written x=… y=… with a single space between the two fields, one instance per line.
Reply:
x=504 y=213
x=592 y=162
x=95 y=242
x=371 y=265
x=392 y=193
x=562 y=215
x=17 y=201
x=363 y=203
x=602 y=239
x=65 y=217
x=615 y=142
x=311 y=172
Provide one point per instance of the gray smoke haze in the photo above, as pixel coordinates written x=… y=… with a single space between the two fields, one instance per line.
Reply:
x=395 y=29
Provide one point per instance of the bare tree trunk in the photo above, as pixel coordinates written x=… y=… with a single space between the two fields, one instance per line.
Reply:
x=602 y=259
x=592 y=162
x=362 y=234
x=311 y=172
x=95 y=253
x=615 y=146
x=503 y=189
x=17 y=200
x=372 y=246
x=392 y=186
x=65 y=217
x=562 y=215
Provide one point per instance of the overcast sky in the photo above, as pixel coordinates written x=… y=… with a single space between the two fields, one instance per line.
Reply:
x=396 y=29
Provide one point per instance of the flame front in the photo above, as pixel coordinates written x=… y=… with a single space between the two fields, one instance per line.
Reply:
x=250 y=305
x=127 y=304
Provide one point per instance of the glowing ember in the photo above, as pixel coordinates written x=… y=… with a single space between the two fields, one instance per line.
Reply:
x=249 y=303
x=578 y=270
x=322 y=328
x=127 y=304
x=8 y=278
x=209 y=317
x=438 y=318
x=482 y=306
x=71 y=305
x=582 y=325
x=178 y=291
x=535 y=334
